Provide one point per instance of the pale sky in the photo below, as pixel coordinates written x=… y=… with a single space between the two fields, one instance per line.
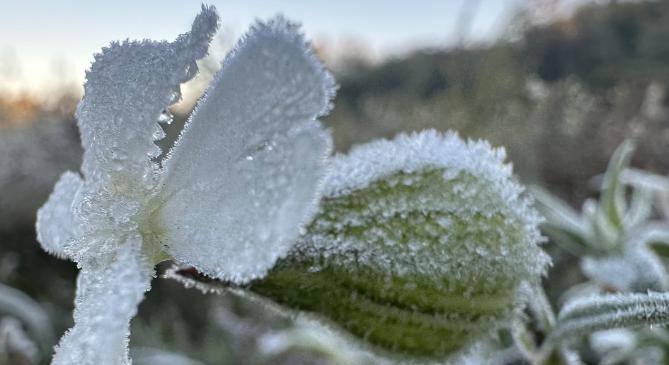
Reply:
x=43 y=42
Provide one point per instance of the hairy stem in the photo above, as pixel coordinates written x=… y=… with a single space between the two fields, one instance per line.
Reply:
x=596 y=313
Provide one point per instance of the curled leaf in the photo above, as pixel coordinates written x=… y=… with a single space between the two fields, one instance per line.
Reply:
x=613 y=190
x=635 y=270
x=18 y=305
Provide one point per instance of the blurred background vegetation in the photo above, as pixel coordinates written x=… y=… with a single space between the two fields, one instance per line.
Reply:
x=560 y=93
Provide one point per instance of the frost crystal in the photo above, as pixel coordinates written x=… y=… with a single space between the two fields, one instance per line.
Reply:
x=231 y=197
x=419 y=248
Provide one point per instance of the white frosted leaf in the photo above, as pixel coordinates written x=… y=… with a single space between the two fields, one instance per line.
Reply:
x=607 y=341
x=108 y=293
x=602 y=312
x=245 y=174
x=645 y=179
x=640 y=207
x=311 y=337
x=558 y=213
x=653 y=354
x=613 y=194
x=127 y=88
x=637 y=270
x=151 y=356
x=18 y=305
x=570 y=356
x=55 y=218
x=540 y=307
x=651 y=234
x=15 y=343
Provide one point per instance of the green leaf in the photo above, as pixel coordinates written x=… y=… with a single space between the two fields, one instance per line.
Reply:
x=613 y=191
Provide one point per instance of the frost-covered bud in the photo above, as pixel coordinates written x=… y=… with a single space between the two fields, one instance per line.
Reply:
x=419 y=248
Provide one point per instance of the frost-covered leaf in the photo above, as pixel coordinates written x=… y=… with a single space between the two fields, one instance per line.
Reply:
x=15 y=344
x=602 y=226
x=569 y=229
x=539 y=306
x=245 y=174
x=640 y=207
x=652 y=232
x=658 y=184
x=619 y=339
x=586 y=315
x=18 y=305
x=635 y=270
x=654 y=235
x=558 y=213
x=523 y=340
x=419 y=248
x=570 y=356
x=611 y=217
x=127 y=88
x=613 y=345
x=309 y=337
x=648 y=180
x=648 y=355
x=613 y=190
x=108 y=294
x=151 y=356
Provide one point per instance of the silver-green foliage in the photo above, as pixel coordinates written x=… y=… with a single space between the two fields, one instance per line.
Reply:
x=619 y=239
x=18 y=312
x=612 y=235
